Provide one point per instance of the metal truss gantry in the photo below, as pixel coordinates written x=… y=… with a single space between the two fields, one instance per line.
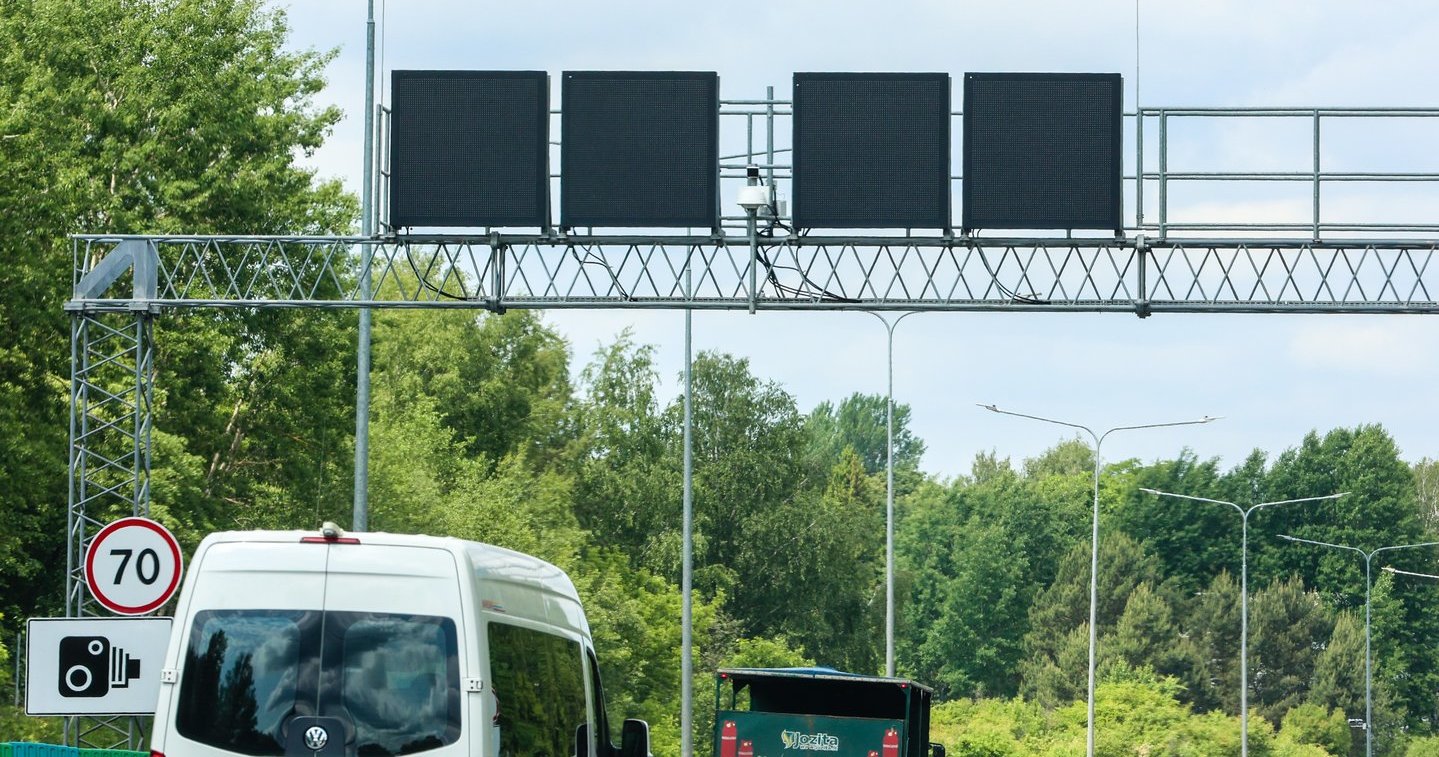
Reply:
x=501 y=272
x=121 y=284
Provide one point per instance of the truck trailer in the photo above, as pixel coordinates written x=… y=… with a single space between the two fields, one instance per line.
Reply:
x=771 y=712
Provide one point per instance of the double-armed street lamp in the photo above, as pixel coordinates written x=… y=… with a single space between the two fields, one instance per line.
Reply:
x=1094 y=538
x=1368 y=662
x=889 y=327
x=1244 y=513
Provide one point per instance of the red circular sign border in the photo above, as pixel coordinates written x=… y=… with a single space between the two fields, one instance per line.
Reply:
x=169 y=540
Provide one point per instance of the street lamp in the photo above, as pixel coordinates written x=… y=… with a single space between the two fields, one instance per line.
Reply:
x=1392 y=569
x=1094 y=538
x=889 y=327
x=1368 y=665
x=1243 y=596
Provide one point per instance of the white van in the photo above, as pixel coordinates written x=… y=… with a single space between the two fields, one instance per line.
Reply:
x=306 y=643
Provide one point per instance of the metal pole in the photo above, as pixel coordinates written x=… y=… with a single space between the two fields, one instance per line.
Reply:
x=1244 y=638
x=751 y=224
x=360 y=520
x=1163 y=174
x=889 y=657
x=889 y=505
x=1093 y=599
x=1138 y=162
x=72 y=543
x=686 y=581
x=769 y=136
x=1094 y=542
x=1368 y=666
x=1316 y=175
x=137 y=507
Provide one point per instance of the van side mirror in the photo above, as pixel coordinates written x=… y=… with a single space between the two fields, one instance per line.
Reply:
x=635 y=739
x=582 y=740
x=936 y=750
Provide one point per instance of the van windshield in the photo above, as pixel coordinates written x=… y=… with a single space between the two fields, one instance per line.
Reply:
x=392 y=680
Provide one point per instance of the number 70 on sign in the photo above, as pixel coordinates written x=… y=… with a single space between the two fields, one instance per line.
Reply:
x=133 y=566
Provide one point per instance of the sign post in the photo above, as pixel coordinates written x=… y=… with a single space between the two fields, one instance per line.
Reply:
x=133 y=566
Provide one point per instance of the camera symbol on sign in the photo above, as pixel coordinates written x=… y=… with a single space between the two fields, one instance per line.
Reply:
x=90 y=667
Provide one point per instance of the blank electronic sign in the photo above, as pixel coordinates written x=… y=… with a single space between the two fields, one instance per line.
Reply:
x=1042 y=151
x=639 y=148
x=469 y=148
x=871 y=150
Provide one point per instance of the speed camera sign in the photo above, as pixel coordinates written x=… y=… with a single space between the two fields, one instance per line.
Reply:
x=133 y=566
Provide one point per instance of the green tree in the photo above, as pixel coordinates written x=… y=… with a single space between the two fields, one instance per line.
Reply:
x=1123 y=566
x=1213 y=623
x=1071 y=457
x=627 y=485
x=815 y=572
x=1194 y=541
x=1338 y=682
x=1402 y=625
x=259 y=435
x=974 y=646
x=513 y=388
x=1423 y=747
x=1426 y=492
x=635 y=619
x=1287 y=627
x=1313 y=724
x=1380 y=509
x=131 y=116
x=1059 y=675
x=988 y=727
x=859 y=423
x=748 y=440
x=973 y=555
x=500 y=382
x=13 y=722
x=1147 y=636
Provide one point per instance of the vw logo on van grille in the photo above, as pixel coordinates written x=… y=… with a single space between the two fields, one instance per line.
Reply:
x=316 y=737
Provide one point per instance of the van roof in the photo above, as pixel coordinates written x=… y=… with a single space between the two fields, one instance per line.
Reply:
x=487 y=562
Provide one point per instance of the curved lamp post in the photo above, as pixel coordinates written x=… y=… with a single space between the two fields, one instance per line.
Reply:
x=889 y=327
x=1094 y=537
x=1368 y=662
x=1243 y=595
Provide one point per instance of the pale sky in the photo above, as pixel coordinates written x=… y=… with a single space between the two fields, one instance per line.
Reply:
x=1272 y=377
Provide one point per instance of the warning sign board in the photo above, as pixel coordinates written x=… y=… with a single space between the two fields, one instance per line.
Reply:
x=94 y=666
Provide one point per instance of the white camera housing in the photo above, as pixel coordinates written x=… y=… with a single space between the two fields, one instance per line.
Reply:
x=753 y=197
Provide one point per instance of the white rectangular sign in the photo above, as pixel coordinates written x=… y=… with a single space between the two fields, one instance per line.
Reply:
x=95 y=666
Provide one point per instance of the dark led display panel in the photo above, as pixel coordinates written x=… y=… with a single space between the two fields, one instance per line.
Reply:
x=1042 y=151
x=469 y=148
x=639 y=148
x=871 y=150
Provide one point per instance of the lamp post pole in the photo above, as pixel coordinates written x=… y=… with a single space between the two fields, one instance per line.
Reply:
x=1244 y=513
x=360 y=518
x=889 y=327
x=1094 y=539
x=1368 y=660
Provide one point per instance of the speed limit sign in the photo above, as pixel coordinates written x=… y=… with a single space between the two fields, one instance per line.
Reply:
x=133 y=566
